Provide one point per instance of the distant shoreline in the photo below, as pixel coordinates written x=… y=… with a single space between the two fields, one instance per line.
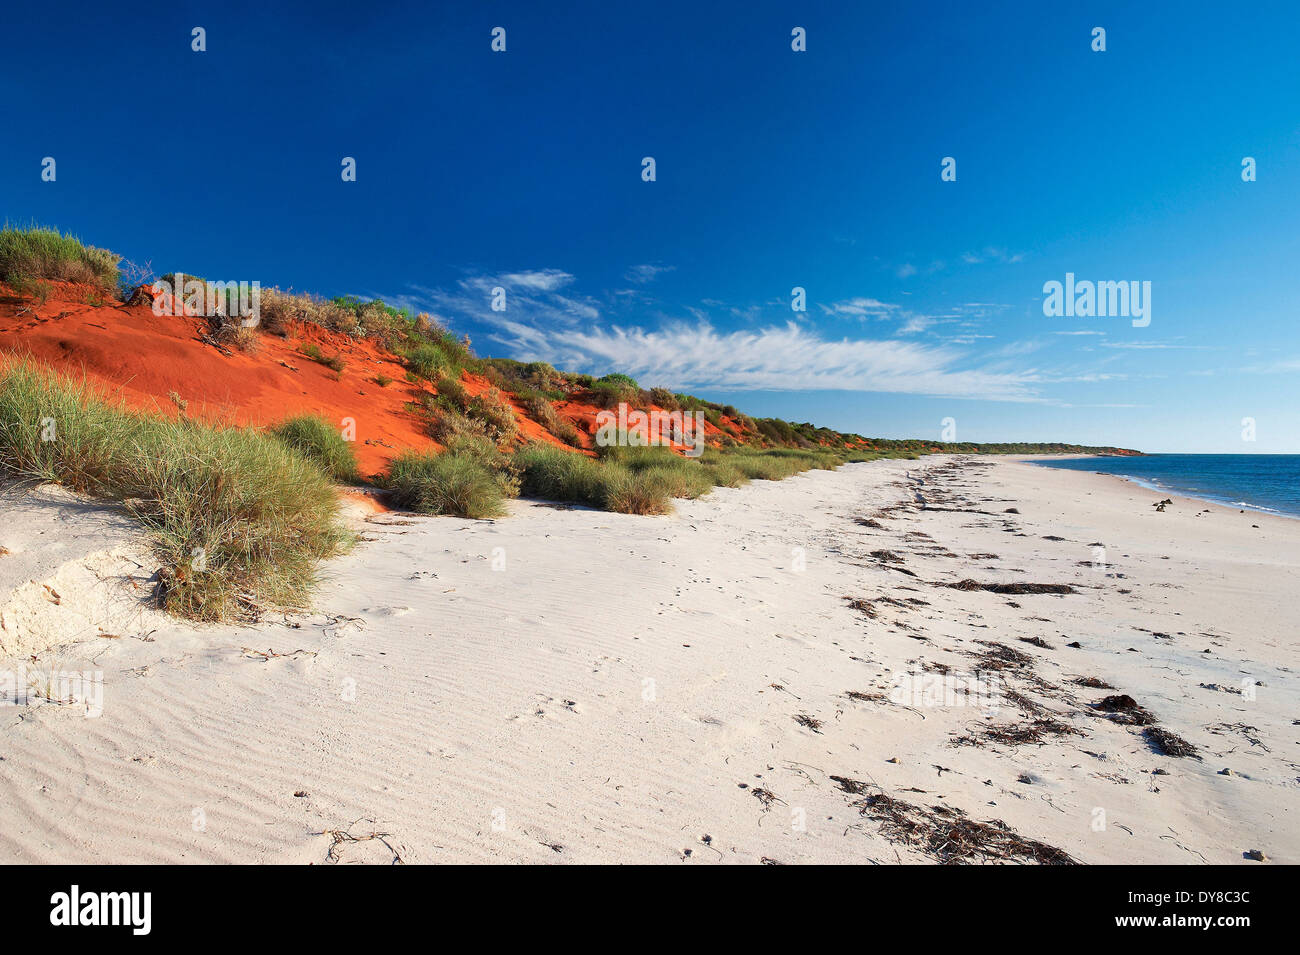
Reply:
x=1168 y=483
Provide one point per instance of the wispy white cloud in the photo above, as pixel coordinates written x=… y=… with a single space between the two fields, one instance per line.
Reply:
x=540 y=280
x=1275 y=367
x=992 y=254
x=545 y=321
x=777 y=357
x=641 y=274
x=860 y=307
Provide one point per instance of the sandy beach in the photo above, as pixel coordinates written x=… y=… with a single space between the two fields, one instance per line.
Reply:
x=776 y=673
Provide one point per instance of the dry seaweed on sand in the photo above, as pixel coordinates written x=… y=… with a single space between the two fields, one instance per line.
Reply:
x=1169 y=743
x=1095 y=683
x=1038 y=642
x=1124 y=709
x=1012 y=589
x=342 y=836
x=861 y=605
x=860 y=697
x=948 y=835
x=869 y=522
x=887 y=556
x=999 y=656
x=811 y=722
x=766 y=797
x=853 y=786
x=1018 y=734
x=1021 y=702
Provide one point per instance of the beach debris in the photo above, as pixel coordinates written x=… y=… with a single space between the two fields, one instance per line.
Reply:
x=861 y=605
x=852 y=786
x=1012 y=589
x=1248 y=733
x=1075 y=645
x=869 y=522
x=1255 y=855
x=1012 y=510
x=1124 y=709
x=811 y=722
x=344 y=836
x=1093 y=682
x=860 y=697
x=946 y=834
x=887 y=556
x=1169 y=743
x=1038 y=642
x=766 y=797
x=999 y=656
x=1013 y=734
x=265 y=655
x=1022 y=702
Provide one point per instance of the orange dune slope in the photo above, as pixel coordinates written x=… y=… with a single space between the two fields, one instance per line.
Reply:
x=147 y=358
x=165 y=362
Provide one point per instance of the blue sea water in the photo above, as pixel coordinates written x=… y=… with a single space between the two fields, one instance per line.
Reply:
x=1261 y=482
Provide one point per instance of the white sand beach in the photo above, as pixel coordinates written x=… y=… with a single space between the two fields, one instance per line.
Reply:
x=567 y=685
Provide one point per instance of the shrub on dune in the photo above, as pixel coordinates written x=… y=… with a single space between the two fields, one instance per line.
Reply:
x=321 y=441
x=452 y=392
x=724 y=473
x=456 y=484
x=678 y=476
x=555 y=474
x=540 y=407
x=238 y=520
x=766 y=466
x=491 y=408
x=648 y=491
x=333 y=362
x=427 y=361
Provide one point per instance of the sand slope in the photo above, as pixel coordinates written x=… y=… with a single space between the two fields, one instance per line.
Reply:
x=567 y=685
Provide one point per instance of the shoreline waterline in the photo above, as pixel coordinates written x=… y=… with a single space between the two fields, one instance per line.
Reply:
x=1265 y=484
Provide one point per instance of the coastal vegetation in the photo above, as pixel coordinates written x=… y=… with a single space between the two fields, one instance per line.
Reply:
x=240 y=516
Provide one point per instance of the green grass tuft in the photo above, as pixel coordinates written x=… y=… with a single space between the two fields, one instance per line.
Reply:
x=461 y=485
x=40 y=253
x=319 y=440
x=238 y=520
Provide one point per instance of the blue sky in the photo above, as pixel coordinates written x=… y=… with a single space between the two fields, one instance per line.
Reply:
x=775 y=169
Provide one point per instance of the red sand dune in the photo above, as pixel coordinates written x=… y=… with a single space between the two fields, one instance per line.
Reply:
x=144 y=357
x=129 y=351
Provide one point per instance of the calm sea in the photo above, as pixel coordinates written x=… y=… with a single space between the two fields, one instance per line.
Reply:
x=1262 y=482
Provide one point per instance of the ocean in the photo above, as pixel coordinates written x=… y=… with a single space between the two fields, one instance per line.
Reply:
x=1261 y=482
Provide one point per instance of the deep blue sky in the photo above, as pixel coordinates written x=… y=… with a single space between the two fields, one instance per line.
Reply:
x=775 y=169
